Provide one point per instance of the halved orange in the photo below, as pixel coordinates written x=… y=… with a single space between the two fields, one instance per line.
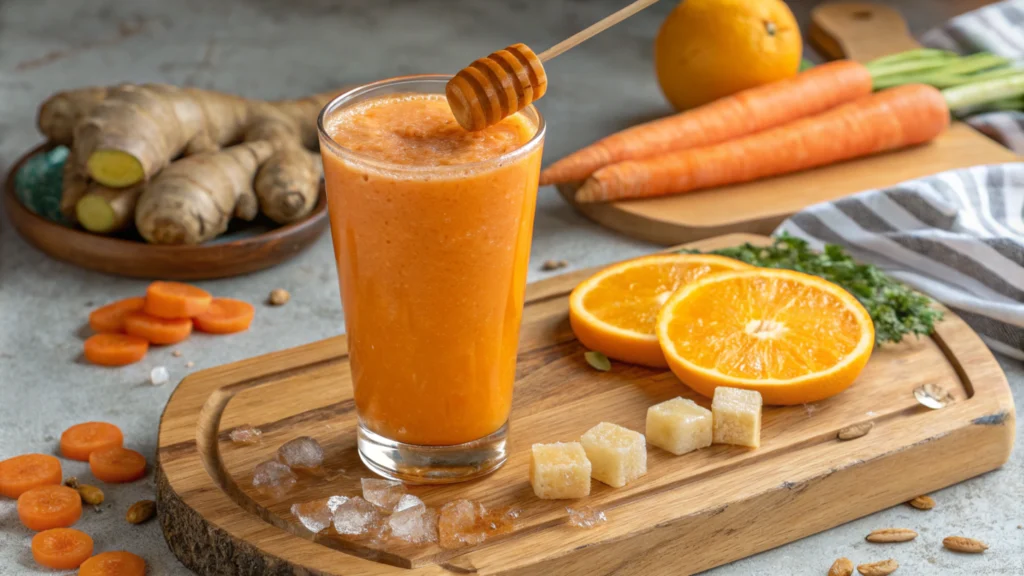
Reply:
x=616 y=310
x=793 y=337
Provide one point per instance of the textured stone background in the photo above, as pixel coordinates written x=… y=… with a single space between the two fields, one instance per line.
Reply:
x=277 y=49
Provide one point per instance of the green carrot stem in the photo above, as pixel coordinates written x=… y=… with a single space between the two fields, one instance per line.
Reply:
x=975 y=63
x=984 y=92
x=920 y=53
x=941 y=79
x=908 y=67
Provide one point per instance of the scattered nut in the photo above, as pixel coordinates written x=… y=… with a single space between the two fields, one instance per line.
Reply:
x=841 y=567
x=189 y=364
x=855 y=431
x=279 y=297
x=883 y=568
x=550 y=265
x=90 y=494
x=964 y=545
x=176 y=353
x=887 y=535
x=71 y=482
x=933 y=396
x=922 y=502
x=141 y=511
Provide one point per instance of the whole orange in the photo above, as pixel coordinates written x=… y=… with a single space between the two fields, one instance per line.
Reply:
x=707 y=49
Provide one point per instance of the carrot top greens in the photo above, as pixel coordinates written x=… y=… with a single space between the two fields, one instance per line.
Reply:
x=895 y=309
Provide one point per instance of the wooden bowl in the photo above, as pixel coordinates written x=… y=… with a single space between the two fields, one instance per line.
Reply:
x=236 y=253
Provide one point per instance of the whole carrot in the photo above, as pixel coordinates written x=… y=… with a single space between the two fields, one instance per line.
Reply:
x=887 y=120
x=746 y=112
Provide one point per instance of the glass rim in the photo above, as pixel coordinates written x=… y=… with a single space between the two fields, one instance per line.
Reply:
x=339 y=101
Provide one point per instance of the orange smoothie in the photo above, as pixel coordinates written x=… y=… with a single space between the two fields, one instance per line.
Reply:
x=432 y=228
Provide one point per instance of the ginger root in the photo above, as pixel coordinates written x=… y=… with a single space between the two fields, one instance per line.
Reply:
x=193 y=199
x=124 y=136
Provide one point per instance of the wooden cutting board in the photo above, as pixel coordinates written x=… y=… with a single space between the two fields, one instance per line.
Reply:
x=862 y=32
x=689 y=513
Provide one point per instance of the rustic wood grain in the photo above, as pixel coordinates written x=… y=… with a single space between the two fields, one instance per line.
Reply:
x=138 y=259
x=858 y=30
x=689 y=513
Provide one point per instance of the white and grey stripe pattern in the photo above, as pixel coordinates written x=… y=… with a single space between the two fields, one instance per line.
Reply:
x=998 y=28
x=957 y=236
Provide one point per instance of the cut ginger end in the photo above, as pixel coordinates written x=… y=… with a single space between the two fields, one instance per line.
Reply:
x=115 y=168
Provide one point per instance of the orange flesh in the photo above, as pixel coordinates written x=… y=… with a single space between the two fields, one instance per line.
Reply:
x=110 y=318
x=627 y=301
x=175 y=300
x=225 y=316
x=432 y=266
x=48 y=507
x=80 y=440
x=61 y=548
x=117 y=465
x=780 y=329
x=115 y=349
x=22 y=473
x=113 y=564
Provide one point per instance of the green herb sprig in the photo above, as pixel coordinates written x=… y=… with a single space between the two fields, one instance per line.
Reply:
x=895 y=309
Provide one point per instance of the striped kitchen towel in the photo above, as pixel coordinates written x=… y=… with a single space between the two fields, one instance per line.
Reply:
x=998 y=28
x=957 y=236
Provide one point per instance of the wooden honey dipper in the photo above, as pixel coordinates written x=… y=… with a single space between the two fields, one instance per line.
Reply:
x=509 y=80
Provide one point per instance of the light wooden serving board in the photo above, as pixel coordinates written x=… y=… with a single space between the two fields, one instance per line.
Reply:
x=688 y=514
x=862 y=32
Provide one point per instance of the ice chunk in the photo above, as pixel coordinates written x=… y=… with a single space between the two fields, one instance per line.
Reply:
x=383 y=493
x=246 y=434
x=585 y=517
x=302 y=452
x=413 y=521
x=334 y=501
x=273 y=478
x=316 y=515
x=467 y=523
x=158 y=376
x=356 y=517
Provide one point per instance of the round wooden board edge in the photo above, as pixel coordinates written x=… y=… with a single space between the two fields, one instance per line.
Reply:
x=214 y=546
x=140 y=260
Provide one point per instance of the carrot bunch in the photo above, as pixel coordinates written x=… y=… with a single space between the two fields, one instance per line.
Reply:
x=824 y=115
x=166 y=315
x=46 y=506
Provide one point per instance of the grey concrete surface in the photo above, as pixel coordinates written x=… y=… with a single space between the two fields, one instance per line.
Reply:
x=278 y=48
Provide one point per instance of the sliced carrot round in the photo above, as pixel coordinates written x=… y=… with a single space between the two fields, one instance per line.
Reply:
x=61 y=548
x=110 y=318
x=48 y=507
x=23 y=473
x=117 y=465
x=225 y=316
x=176 y=300
x=115 y=349
x=157 y=330
x=117 y=563
x=80 y=440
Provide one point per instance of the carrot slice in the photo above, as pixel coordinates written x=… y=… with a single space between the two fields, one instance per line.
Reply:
x=157 y=330
x=117 y=465
x=110 y=318
x=225 y=316
x=48 y=507
x=176 y=300
x=23 y=473
x=61 y=548
x=115 y=349
x=117 y=563
x=82 y=439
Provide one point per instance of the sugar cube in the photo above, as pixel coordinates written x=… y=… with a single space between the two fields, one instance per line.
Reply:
x=559 y=470
x=737 y=416
x=617 y=455
x=679 y=426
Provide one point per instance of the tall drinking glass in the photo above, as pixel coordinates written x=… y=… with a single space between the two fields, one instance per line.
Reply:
x=432 y=228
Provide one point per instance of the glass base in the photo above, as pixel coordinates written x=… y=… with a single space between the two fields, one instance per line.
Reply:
x=417 y=464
